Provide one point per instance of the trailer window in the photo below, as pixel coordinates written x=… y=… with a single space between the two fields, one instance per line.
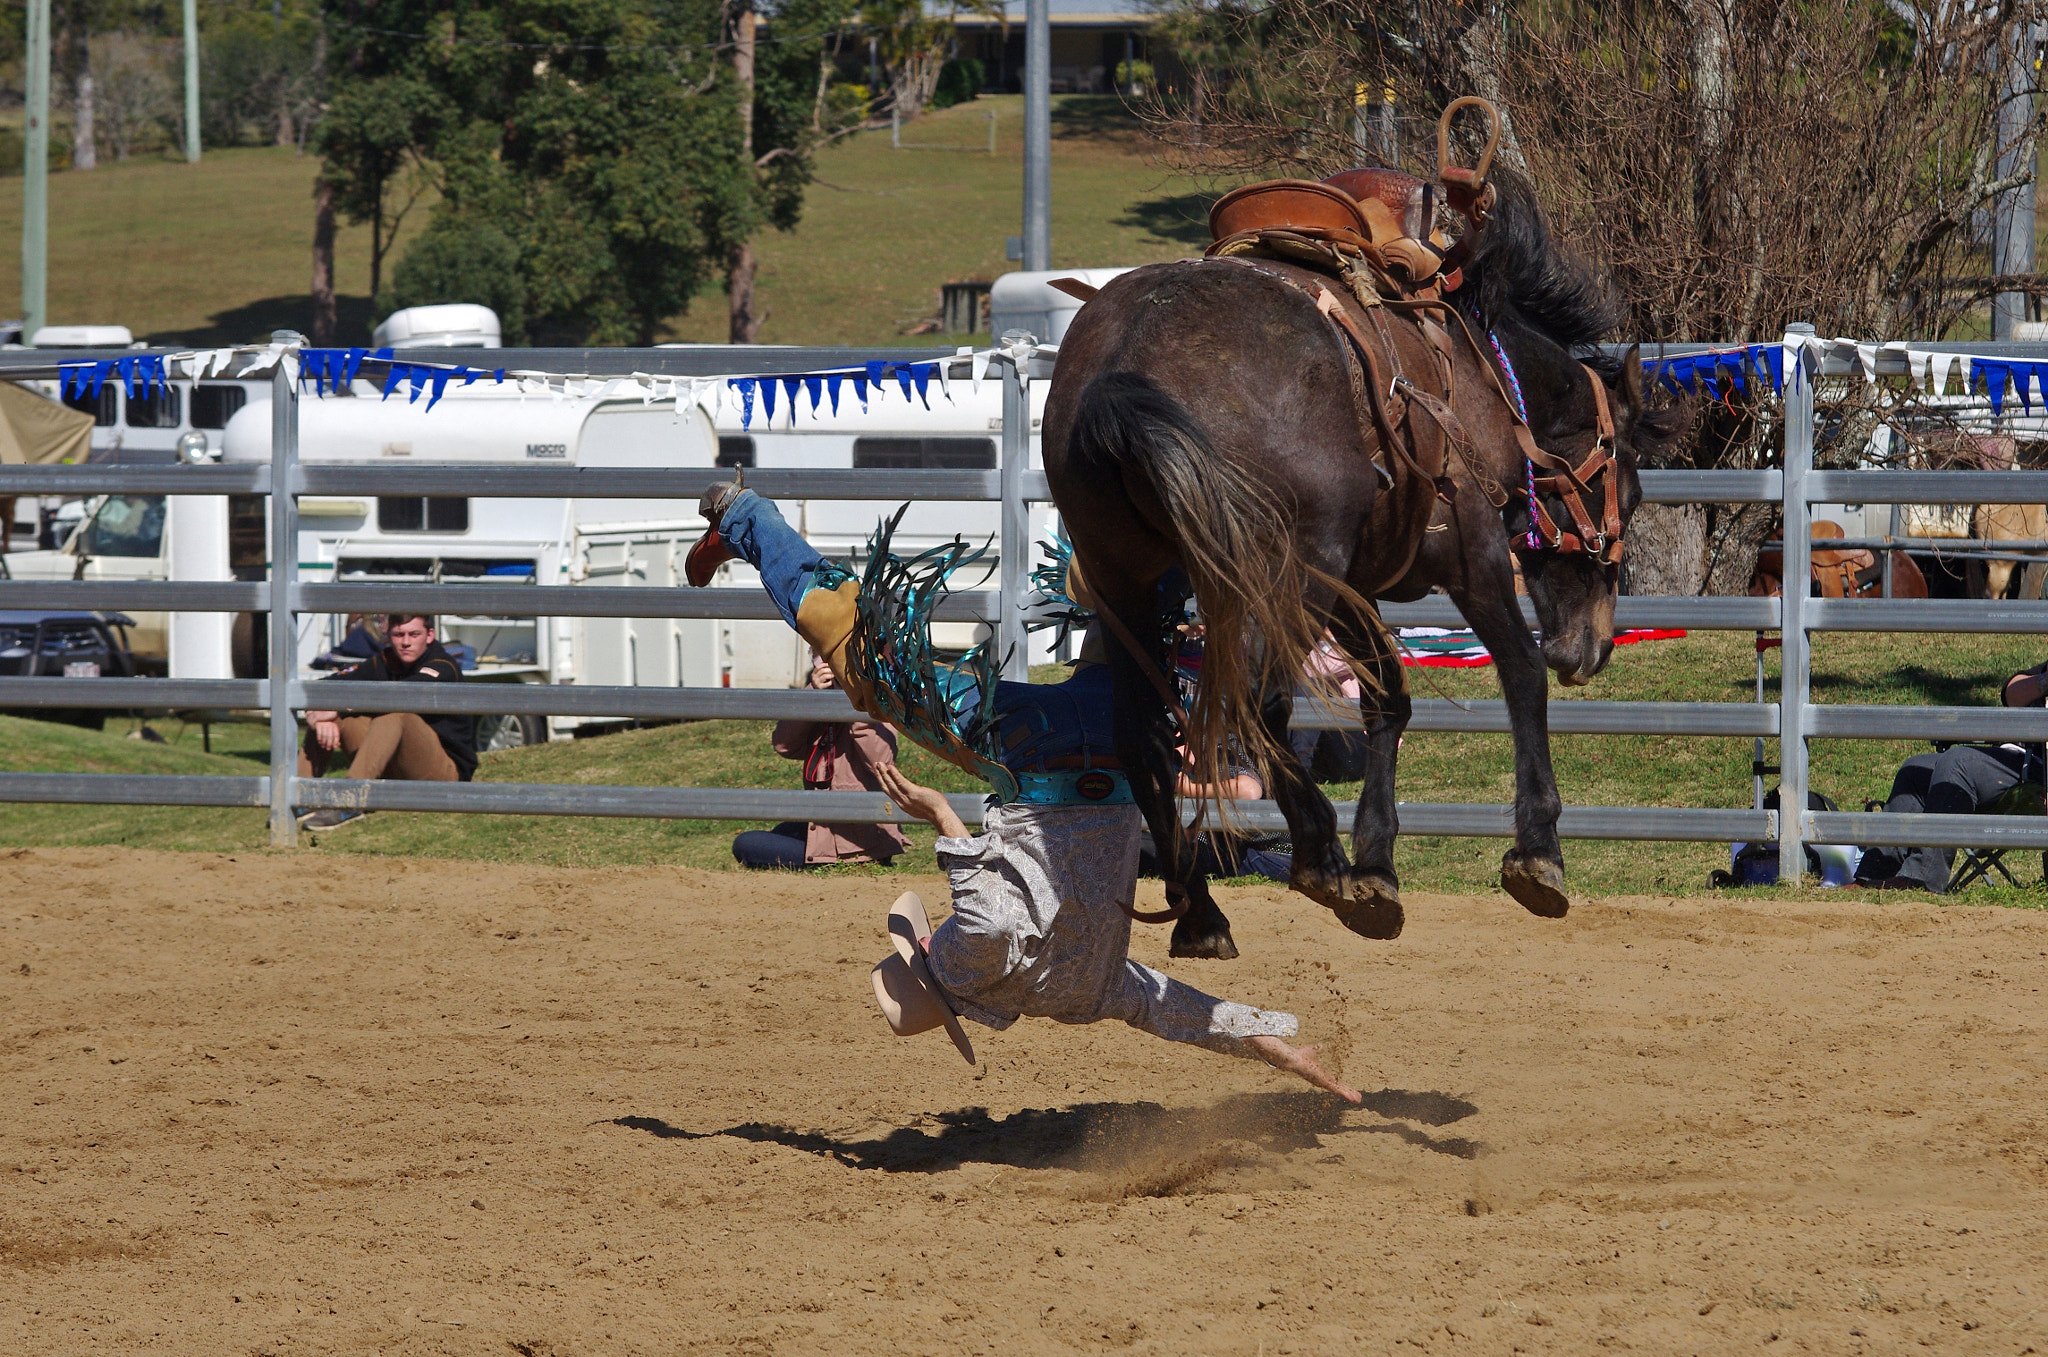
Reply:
x=247 y=535
x=423 y=513
x=126 y=525
x=214 y=405
x=735 y=450
x=158 y=410
x=102 y=406
x=925 y=454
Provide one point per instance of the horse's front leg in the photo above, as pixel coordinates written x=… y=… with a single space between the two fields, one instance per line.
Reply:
x=1146 y=747
x=1385 y=707
x=1533 y=870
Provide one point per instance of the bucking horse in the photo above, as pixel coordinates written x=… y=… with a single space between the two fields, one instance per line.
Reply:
x=1326 y=412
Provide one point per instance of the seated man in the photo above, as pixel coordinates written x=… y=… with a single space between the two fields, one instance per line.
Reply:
x=392 y=744
x=839 y=756
x=1960 y=780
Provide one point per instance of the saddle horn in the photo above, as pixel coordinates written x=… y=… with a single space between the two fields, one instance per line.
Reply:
x=1467 y=190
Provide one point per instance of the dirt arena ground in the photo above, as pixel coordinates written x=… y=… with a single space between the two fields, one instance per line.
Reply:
x=288 y=1105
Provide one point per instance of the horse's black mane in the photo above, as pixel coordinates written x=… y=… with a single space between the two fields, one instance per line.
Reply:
x=1519 y=269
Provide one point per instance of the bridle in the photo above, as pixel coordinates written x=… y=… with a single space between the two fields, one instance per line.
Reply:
x=1602 y=541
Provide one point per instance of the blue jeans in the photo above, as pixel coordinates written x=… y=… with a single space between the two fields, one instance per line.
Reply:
x=1038 y=721
x=789 y=565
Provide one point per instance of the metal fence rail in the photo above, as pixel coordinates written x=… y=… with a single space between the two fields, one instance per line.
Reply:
x=1793 y=721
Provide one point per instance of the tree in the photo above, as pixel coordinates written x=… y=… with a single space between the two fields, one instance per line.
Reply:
x=591 y=150
x=1734 y=165
x=785 y=114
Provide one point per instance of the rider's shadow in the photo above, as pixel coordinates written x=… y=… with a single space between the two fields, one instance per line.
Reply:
x=1070 y=1137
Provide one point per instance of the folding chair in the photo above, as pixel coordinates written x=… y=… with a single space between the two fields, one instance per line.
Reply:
x=1977 y=864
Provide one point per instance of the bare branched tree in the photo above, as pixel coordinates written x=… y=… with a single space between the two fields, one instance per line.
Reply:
x=1733 y=165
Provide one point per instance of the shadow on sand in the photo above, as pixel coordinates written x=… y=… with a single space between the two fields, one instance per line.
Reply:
x=1076 y=1137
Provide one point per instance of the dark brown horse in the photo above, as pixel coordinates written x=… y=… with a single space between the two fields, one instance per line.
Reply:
x=1202 y=417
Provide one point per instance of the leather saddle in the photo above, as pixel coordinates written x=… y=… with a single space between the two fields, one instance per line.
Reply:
x=1374 y=227
x=1840 y=572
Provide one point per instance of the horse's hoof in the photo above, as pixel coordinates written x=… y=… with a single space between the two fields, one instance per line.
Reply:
x=1536 y=883
x=1207 y=945
x=1372 y=910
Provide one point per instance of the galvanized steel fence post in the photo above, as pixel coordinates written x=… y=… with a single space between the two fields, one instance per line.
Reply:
x=1795 y=667
x=284 y=574
x=1015 y=541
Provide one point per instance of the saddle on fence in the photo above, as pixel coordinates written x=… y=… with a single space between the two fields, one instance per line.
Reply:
x=1839 y=572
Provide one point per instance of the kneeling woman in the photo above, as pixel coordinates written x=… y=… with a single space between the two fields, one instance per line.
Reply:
x=838 y=756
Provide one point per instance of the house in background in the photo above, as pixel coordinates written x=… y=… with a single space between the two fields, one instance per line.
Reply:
x=1090 y=39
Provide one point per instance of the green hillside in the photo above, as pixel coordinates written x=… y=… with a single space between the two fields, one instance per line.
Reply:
x=221 y=252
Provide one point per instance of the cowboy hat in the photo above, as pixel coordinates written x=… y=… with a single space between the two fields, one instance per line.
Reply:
x=904 y=986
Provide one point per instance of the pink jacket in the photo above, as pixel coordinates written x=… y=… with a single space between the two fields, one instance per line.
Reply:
x=841 y=757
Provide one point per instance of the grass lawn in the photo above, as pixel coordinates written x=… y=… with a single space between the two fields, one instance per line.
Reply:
x=1592 y=770
x=883 y=228
x=221 y=252
x=215 y=253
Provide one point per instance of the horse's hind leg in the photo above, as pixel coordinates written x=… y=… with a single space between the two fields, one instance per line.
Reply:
x=1320 y=870
x=1146 y=748
x=1385 y=706
x=1533 y=870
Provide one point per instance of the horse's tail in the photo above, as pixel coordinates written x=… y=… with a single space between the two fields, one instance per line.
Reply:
x=1236 y=541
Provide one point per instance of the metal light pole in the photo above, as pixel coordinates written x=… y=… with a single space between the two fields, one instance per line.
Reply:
x=35 y=177
x=2012 y=214
x=192 y=81
x=1037 y=135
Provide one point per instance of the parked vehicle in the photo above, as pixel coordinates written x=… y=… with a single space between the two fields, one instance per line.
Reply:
x=70 y=645
x=547 y=543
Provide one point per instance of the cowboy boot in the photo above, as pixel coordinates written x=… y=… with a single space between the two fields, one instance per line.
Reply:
x=711 y=550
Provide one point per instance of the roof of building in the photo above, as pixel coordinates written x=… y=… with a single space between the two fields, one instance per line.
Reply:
x=1075 y=13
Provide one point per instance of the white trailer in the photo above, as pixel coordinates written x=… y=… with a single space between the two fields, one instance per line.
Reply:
x=550 y=542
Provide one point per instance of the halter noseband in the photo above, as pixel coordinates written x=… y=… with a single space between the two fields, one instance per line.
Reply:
x=1570 y=483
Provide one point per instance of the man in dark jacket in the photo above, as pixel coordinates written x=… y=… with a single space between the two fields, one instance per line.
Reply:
x=1963 y=779
x=392 y=744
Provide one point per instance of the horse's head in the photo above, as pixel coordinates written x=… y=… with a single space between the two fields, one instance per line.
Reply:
x=1570 y=540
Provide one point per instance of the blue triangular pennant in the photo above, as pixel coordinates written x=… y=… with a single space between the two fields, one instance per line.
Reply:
x=790 y=386
x=832 y=385
x=1771 y=359
x=441 y=376
x=921 y=373
x=860 y=389
x=768 y=400
x=816 y=386
x=1994 y=374
x=745 y=386
x=392 y=378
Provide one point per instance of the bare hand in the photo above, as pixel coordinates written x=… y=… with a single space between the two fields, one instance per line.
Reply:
x=1301 y=1060
x=326 y=727
x=926 y=804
